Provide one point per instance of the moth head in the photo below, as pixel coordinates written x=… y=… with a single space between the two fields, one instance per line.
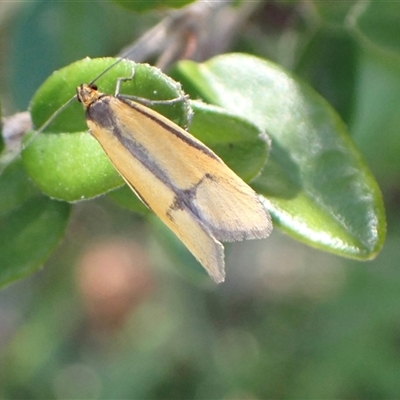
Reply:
x=87 y=94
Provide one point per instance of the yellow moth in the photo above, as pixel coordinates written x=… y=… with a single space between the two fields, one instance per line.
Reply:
x=180 y=179
x=185 y=183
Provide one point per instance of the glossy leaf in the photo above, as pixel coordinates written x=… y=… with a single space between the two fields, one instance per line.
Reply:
x=316 y=185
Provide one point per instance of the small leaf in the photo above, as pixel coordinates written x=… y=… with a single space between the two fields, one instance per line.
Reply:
x=31 y=225
x=148 y=82
x=15 y=187
x=28 y=235
x=70 y=167
x=316 y=185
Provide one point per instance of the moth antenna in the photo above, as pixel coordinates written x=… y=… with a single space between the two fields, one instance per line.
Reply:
x=106 y=70
x=65 y=105
x=8 y=156
x=49 y=121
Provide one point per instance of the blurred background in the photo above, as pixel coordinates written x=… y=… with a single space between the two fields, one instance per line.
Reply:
x=112 y=314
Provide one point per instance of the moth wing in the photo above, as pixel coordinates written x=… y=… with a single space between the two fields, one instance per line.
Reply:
x=231 y=209
x=199 y=240
x=201 y=202
x=194 y=234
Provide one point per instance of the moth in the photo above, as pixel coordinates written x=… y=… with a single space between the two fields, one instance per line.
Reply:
x=175 y=175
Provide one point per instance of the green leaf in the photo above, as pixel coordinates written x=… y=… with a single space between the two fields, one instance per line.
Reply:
x=31 y=225
x=72 y=166
x=15 y=187
x=148 y=5
x=148 y=82
x=28 y=235
x=316 y=185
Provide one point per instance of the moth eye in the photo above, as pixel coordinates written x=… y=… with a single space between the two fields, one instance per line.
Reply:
x=93 y=86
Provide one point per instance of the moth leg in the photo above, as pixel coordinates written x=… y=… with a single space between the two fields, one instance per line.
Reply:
x=148 y=102
x=142 y=100
x=119 y=80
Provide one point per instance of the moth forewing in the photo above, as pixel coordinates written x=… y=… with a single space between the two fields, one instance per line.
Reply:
x=187 y=185
x=231 y=209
